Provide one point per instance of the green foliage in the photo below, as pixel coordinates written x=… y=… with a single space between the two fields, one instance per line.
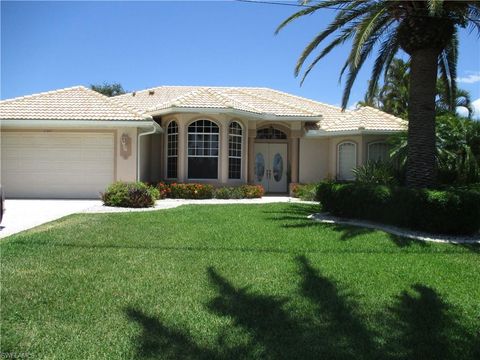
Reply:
x=228 y=193
x=190 y=191
x=206 y=191
x=375 y=172
x=252 y=191
x=134 y=195
x=306 y=192
x=458 y=150
x=438 y=211
x=108 y=89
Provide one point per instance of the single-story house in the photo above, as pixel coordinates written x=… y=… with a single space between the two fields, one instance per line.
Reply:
x=73 y=142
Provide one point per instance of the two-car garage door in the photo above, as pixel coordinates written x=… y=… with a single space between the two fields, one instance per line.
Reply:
x=56 y=164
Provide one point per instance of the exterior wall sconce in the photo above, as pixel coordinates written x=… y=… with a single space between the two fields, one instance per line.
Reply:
x=125 y=146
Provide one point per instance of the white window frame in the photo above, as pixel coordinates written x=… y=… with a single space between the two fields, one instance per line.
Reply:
x=338 y=157
x=166 y=148
x=241 y=148
x=211 y=156
x=375 y=143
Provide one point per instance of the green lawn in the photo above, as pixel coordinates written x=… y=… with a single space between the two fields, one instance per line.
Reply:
x=234 y=281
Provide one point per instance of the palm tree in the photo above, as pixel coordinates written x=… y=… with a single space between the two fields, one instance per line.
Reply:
x=394 y=92
x=392 y=96
x=425 y=30
x=449 y=105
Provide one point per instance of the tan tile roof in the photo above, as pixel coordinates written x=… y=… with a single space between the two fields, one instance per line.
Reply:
x=364 y=118
x=75 y=103
x=261 y=101
x=253 y=100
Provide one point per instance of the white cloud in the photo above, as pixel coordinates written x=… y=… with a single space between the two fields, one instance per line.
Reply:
x=470 y=78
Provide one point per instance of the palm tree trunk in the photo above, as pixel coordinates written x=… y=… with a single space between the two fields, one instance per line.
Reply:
x=421 y=163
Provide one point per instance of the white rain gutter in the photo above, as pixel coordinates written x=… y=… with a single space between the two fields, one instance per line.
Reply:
x=326 y=133
x=73 y=123
x=155 y=130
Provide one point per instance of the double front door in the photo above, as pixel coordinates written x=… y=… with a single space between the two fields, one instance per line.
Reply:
x=271 y=166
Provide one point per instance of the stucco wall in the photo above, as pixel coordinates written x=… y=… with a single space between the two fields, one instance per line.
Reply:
x=127 y=167
x=313 y=160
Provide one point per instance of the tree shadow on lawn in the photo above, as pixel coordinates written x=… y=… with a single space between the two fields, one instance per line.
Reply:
x=419 y=325
x=296 y=216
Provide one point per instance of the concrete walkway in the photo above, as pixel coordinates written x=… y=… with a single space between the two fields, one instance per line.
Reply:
x=22 y=214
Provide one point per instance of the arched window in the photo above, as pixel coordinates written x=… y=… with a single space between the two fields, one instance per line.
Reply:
x=347 y=160
x=203 y=136
x=378 y=151
x=234 y=150
x=271 y=133
x=172 y=150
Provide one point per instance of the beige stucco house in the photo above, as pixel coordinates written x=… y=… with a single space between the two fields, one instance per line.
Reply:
x=71 y=143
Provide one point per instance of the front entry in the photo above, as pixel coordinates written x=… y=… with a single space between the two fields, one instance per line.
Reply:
x=271 y=167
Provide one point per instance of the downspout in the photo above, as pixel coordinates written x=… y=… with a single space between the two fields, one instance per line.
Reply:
x=155 y=130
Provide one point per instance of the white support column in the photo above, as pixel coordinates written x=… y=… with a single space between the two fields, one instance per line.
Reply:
x=223 y=154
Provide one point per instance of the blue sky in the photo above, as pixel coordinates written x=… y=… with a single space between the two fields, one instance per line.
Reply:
x=50 y=45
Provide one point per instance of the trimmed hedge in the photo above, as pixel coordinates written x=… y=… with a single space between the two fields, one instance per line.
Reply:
x=453 y=211
x=130 y=194
x=205 y=191
x=190 y=191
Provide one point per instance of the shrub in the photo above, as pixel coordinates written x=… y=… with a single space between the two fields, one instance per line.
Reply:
x=307 y=192
x=229 y=193
x=190 y=191
x=133 y=194
x=252 y=191
x=453 y=211
x=375 y=172
x=163 y=190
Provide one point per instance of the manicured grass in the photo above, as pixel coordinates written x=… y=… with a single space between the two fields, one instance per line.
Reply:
x=234 y=281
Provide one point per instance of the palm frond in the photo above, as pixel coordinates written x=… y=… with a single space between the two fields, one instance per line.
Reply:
x=310 y=10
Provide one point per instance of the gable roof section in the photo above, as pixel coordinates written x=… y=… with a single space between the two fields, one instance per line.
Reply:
x=257 y=101
x=75 y=103
x=364 y=119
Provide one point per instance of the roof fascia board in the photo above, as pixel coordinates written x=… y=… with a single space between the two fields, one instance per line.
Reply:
x=230 y=111
x=324 y=133
x=75 y=123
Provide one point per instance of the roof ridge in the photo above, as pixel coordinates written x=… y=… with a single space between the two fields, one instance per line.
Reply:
x=223 y=99
x=174 y=100
x=280 y=102
x=105 y=98
x=43 y=93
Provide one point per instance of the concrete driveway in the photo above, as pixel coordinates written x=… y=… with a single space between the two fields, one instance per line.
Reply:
x=25 y=214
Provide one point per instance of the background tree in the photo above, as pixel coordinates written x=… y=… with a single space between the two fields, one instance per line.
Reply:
x=392 y=96
x=425 y=30
x=108 y=89
x=458 y=150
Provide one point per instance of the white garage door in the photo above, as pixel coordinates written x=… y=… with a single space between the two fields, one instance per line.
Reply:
x=56 y=164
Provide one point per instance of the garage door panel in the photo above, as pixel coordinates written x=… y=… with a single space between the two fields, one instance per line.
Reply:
x=57 y=164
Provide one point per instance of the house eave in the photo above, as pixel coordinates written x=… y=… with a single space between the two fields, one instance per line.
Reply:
x=233 y=112
x=29 y=123
x=326 y=133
